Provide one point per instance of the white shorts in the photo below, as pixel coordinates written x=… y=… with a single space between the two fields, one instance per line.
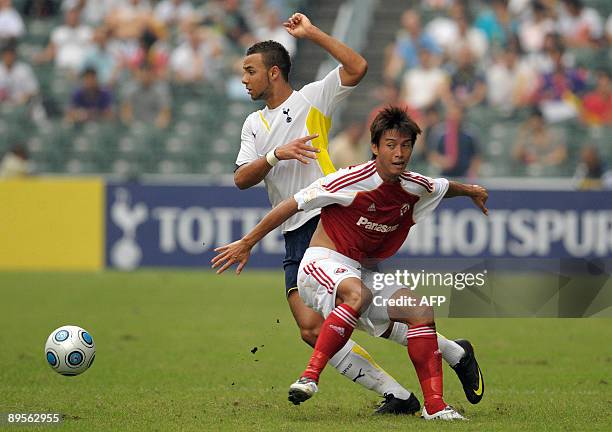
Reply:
x=319 y=275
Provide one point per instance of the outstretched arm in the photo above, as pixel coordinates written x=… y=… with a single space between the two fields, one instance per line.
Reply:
x=239 y=251
x=354 y=66
x=478 y=194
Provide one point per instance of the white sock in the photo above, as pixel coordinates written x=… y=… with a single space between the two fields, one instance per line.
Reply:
x=450 y=350
x=356 y=364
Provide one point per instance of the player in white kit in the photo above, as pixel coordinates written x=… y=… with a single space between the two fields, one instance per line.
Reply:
x=285 y=145
x=367 y=212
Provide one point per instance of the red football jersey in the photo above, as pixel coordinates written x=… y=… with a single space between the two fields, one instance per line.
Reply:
x=365 y=217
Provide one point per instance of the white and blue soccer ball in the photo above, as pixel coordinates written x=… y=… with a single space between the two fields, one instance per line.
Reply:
x=70 y=350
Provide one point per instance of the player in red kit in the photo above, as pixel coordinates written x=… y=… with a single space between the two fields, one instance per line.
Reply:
x=367 y=212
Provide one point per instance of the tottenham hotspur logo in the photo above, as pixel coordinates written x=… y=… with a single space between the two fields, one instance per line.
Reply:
x=126 y=252
x=286 y=112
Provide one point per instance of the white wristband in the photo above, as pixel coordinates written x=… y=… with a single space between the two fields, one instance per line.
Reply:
x=271 y=158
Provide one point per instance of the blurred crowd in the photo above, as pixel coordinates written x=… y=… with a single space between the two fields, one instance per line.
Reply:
x=122 y=55
x=508 y=55
x=543 y=63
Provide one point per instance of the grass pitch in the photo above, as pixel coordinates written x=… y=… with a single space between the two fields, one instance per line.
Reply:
x=174 y=353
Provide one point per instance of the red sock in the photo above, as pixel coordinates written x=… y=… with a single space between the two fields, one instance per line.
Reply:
x=423 y=351
x=335 y=332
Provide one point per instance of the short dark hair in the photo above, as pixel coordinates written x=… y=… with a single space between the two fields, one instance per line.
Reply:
x=89 y=70
x=536 y=112
x=393 y=118
x=9 y=47
x=578 y=4
x=274 y=54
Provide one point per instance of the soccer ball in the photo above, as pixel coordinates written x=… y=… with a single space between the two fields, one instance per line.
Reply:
x=70 y=350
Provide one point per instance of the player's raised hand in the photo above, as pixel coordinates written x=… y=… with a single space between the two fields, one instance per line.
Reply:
x=298 y=25
x=480 y=195
x=228 y=255
x=300 y=149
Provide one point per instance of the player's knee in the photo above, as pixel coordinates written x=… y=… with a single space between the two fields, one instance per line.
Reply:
x=310 y=335
x=353 y=295
x=422 y=316
x=414 y=315
x=354 y=299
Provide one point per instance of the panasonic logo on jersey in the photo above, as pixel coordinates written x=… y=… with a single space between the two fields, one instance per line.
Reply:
x=373 y=226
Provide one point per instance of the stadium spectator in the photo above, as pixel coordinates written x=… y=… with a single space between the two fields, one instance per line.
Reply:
x=11 y=24
x=444 y=28
x=150 y=50
x=128 y=19
x=18 y=84
x=348 y=148
x=257 y=11
x=90 y=101
x=431 y=119
x=274 y=30
x=580 y=26
x=404 y=53
x=15 y=163
x=510 y=81
x=455 y=149
x=40 y=8
x=174 y=13
x=496 y=23
x=198 y=58
x=597 y=105
x=469 y=37
x=147 y=99
x=558 y=91
x=533 y=30
x=103 y=57
x=424 y=85
x=542 y=61
x=591 y=171
x=235 y=25
x=467 y=83
x=68 y=43
x=520 y=8
x=538 y=144
x=93 y=12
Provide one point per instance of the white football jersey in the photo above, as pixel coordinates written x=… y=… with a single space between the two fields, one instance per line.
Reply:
x=306 y=112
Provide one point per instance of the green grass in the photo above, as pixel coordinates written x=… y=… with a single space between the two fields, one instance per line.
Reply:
x=174 y=354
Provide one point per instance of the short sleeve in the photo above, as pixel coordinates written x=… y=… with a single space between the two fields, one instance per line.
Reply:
x=176 y=60
x=326 y=93
x=248 y=152
x=107 y=100
x=595 y=23
x=430 y=200
x=29 y=83
x=317 y=195
x=57 y=36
